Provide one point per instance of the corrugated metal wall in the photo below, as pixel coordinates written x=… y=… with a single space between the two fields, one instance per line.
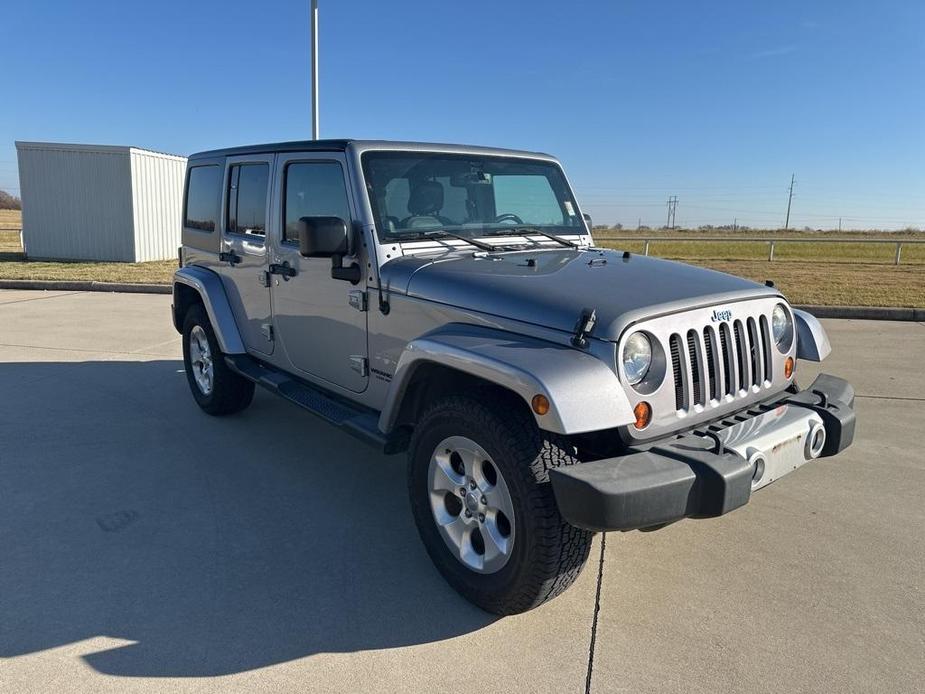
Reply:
x=97 y=202
x=157 y=192
x=77 y=203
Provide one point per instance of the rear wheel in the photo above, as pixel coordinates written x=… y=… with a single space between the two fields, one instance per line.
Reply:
x=216 y=388
x=481 y=498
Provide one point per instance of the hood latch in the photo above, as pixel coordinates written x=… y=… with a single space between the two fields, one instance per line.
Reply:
x=583 y=328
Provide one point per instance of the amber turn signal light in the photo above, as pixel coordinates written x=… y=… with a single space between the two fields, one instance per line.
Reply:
x=643 y=413
x=788 y=367
x=540 y=404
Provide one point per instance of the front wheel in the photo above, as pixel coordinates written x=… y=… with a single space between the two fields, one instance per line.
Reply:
x=479 y=485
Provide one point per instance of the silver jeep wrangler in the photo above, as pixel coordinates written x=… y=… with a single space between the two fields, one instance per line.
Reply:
x=449 y=301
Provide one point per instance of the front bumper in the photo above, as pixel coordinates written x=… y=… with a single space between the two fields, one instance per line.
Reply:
x=710 y=471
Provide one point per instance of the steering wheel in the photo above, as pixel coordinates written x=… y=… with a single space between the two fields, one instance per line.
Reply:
x=508 y=217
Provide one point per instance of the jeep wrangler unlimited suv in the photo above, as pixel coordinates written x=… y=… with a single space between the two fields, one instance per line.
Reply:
x=449 y=301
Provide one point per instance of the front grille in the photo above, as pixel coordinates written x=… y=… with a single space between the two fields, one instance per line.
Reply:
x=727 y=359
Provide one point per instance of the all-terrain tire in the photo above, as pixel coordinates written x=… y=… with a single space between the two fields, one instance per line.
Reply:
x=548 y=553
x=230 y=392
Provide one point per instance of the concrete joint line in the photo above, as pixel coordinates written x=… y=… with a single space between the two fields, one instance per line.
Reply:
x=597 y=610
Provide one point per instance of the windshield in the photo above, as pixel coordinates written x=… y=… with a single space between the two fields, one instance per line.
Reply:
x=415 y=193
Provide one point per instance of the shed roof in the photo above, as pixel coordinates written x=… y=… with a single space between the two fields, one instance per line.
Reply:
x=80 y=147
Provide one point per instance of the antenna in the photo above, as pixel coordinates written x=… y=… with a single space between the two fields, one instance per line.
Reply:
x=314 y=30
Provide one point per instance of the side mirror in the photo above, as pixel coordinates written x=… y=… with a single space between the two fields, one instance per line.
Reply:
x=327 y=237
x=588 y=221
x=323 y=237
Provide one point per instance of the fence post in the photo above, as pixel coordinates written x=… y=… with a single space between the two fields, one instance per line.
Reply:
x=645 y=250
x=770 y=251
x=899 y=250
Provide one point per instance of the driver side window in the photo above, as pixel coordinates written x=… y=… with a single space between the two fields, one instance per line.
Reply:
x=313 y=189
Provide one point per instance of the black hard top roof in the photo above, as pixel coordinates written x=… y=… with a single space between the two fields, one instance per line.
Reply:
x=342 y=145
x=293 y=146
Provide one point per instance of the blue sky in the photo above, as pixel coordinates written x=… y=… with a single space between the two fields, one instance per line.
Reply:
x=715 y=102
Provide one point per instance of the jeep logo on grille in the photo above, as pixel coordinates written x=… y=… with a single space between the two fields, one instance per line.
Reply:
x=718 y=315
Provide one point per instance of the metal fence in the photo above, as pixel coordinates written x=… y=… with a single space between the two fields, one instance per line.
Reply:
x=752 y=239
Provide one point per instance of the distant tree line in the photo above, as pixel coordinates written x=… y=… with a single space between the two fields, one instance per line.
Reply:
x=8 y=201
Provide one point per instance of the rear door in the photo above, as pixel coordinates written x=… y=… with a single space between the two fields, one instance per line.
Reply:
x=244 y=247
x=320 y=321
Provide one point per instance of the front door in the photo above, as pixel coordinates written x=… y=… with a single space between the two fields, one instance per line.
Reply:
x=244 y=248
x=322 y=332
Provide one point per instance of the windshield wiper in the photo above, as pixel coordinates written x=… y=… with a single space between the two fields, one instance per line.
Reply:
x=475 y=242
x=533 y=230
x=436 y=233
x=481 y=245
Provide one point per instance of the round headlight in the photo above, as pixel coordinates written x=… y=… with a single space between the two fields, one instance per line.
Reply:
x=782 y=327
x=637 y=357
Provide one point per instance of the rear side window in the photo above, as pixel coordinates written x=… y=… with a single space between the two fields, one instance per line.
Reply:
x=314 y=189
x=203 y=198
x=247 y=198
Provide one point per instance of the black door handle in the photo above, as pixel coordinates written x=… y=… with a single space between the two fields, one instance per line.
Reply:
x=283 y=269
x=230 y=257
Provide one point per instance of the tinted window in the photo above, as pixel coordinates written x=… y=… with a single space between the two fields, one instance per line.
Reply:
x=467 y=193
x=203 y=198
x=247 y=198
x=530 y=198
x=314 y=189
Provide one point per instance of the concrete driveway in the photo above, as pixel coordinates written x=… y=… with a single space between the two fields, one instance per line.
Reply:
x=147 y=546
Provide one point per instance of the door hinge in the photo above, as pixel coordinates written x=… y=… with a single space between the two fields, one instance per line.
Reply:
x=357 y=299
x=263 y=277
x=267 y=330
x=360 y=365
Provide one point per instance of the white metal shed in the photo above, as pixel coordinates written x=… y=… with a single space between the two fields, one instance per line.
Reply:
x=99 y=202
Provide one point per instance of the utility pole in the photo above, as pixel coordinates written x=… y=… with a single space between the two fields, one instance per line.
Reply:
x=789 y=200
x=314 y=29
x=672 y=210
x=839 y=225
x=735 y=224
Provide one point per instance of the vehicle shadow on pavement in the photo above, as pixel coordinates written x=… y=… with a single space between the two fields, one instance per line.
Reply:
x=212 y=545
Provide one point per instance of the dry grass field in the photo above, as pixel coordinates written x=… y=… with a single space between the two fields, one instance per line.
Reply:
x=14 y=266
x=10 y=219
x=832 y=274
x=857 y=274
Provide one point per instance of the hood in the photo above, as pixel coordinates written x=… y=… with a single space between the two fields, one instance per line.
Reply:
x=550 y=287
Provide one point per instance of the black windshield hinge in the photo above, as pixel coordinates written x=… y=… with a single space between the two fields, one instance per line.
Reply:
x=584 y=327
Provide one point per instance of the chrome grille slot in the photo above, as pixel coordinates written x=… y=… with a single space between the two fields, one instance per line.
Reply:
x=728 y=365
x=766 y=352
x=696 y=371
x=711 y=357
x=675 y=348
x=754 y=352
x=741 y=354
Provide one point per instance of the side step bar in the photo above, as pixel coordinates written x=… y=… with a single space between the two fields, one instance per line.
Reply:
x=361 y=422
